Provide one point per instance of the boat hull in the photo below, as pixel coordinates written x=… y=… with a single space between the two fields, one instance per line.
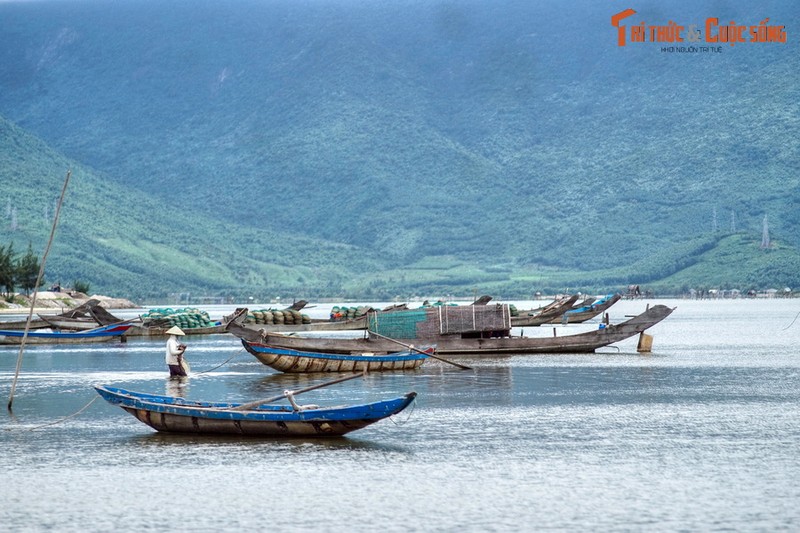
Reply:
x=544 y=315
x=584 y=313
x=145 y=331
x=355 y=324
x=295 y=361
x=456 y=345
x=101 y=334
x=176 y=415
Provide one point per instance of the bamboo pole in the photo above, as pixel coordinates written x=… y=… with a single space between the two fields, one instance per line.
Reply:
x=36 y=290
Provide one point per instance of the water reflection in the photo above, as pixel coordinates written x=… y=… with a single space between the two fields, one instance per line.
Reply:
x=296 y=445
x=177 y=386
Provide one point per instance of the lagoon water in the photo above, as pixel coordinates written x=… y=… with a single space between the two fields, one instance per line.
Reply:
x=702 y=434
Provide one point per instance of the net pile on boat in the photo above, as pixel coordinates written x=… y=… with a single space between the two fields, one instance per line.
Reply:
x=185 y=318
x=277 y=316
x=349 y=313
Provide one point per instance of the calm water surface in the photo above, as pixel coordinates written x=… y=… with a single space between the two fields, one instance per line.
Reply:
x=702 y=434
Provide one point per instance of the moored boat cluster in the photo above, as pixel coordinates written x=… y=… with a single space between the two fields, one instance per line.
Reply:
x=396 y=338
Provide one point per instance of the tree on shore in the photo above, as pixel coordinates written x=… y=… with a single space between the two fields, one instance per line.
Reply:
x=7 y=271
x=28 y=271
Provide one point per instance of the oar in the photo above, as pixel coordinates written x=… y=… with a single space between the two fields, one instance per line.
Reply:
x=442 y=359
x=250 y=405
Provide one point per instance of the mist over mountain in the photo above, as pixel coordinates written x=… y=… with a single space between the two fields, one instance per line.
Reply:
x=442 y=143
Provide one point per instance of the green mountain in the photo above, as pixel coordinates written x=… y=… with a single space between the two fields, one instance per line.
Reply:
x=404 y=147
x=135 y=245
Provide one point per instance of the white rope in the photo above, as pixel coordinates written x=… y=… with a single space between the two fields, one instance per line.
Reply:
x=79 y=411
x=790 y=325
x=410 y=410
x=228 y=360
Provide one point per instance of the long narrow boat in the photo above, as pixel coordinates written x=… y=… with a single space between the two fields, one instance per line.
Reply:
x=587 y=312
x=469 y=343
x=36 y=323
x=79 y=312
x=296 y=361
x=315 y=325
x=170 y=414
x=537 y=317
x=139 y=330
x=71 y=324
x=100 y=334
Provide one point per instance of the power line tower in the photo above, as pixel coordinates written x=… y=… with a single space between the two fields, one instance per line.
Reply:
x=733 y=221
x=765 y=234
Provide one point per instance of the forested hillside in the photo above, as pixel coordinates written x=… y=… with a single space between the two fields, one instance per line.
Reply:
x=396 y=147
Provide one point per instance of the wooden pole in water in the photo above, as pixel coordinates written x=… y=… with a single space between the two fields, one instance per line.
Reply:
x=36 y=290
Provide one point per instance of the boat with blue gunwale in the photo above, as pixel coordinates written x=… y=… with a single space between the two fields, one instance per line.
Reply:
x=297 y=361
x=173 y=414
x=100 y=334
x=587 y=311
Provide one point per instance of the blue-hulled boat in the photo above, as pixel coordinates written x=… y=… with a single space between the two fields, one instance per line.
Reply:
x=100 y=334
x=171 y=414
x=296 y=361
x=583 y=313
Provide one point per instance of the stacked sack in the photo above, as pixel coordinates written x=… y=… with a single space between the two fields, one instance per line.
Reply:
x=185 y=318
x=349 y=313
x=277 y=317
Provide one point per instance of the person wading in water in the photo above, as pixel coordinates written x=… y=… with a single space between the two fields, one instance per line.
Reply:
x=175 y=361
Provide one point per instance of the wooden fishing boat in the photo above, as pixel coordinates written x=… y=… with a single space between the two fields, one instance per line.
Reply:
x=150 y=331
x=467 y=342
x=36 y=323
x=99 y=334
x=296 y=361
x=354 y=324
x=81 y=314
x=170 y=414
x=586 y=312
x=537 y=317
x=71 y=324
x=315 y=324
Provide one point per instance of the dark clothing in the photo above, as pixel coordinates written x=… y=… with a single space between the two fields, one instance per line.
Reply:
x=176 y=370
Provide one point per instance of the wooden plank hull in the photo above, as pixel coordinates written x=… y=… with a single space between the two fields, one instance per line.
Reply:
x=315 y=325
x=72 y=324
x=537 y=317
x=456 y=345
x=168 y=414
x=36 y=323
x=294 y=361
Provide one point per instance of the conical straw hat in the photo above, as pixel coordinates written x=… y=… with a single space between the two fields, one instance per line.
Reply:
x=175 y=330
